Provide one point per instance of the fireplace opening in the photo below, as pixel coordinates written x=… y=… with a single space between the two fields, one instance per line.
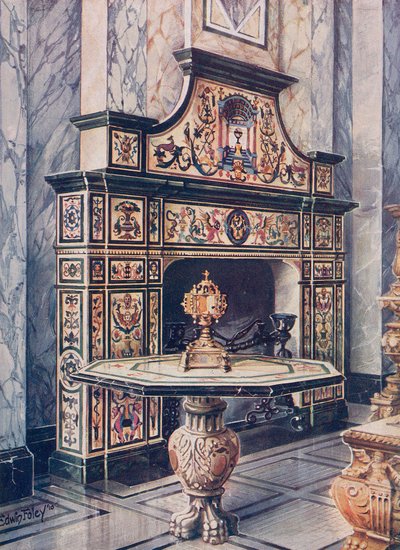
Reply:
x=254 y=288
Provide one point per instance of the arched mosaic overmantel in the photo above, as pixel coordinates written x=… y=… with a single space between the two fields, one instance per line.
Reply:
x=219 y=179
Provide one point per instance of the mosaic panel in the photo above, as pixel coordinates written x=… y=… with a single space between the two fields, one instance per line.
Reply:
x=245 y=21
x=339 y=232
x=323 y=232
x=71 y=218
x=126 y=324
x=339 y=328
x=126 y=419
x=154 y=222
x=323 y=270
x=97 y=270
x=97 y=326
x=338 y=270
x=154 y=322
x=125 y=149
x=97 y=207
x=231 y=136
x=69 y=363
x=71 y=320
x=126 y=270
x=71 y=270
x=306 y=269
x=96 y=418
x=70 y=420
x=154 y=274
x=323 y=179
x=192 y=224
x=324 y=394
x=323 y=323
x=154 y=417
x=126 y=220
x=306 y=235
x=306 y=339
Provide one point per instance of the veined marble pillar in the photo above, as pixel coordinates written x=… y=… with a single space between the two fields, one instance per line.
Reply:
x=367 y=187
x=16 y=462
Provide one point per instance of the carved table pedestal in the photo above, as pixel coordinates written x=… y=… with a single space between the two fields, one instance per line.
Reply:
x=367 y=494
x=204 y=452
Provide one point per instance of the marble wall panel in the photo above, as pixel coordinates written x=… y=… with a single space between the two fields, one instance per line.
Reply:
x=53 y=146
x=126 y=56
x=322 y=56
x=367 y=187
x=165 y=33
x=342 y=112
x=295 y=59
x=390 y=140
x=13 y=105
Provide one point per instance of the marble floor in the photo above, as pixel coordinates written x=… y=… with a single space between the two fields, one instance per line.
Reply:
x=281 y=496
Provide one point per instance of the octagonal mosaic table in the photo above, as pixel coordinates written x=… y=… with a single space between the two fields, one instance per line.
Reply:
x=204 y=452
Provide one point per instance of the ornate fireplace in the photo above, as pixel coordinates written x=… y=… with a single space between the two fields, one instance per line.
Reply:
x=218 y=185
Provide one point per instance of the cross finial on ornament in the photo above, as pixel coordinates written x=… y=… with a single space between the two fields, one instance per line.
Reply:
x=206 y=274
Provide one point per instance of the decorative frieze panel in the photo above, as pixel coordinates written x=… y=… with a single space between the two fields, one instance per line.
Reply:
x=97 y=270
x=155 y=271
x=70 y=421
x=155 y=222
x=231 y=136
x=97 y=325
x=326 y=393
x=323 y=323
x=126 y=270
x=339 y=270
x=306 y=234
x=126 y=324
x=124 y=149
x=306 y=270
x=215 y=225
x=96 y=419
x=338 y=232
x=339 y=328
x=71 y=218
x=306 y=322
x=323 y=232
x=323 y=179
x=154 y=322
x=71 y=270
x=127 y=220
x=71 y=321
x=323 y=270
x=97 y=218
x=126 y=419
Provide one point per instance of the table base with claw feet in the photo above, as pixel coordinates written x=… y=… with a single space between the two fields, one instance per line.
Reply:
x=203 y=454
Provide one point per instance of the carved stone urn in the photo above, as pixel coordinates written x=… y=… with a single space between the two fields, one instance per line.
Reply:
x=387 y=402
x=203 y=454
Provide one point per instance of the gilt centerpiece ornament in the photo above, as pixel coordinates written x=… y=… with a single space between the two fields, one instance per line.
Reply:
x=206 y=304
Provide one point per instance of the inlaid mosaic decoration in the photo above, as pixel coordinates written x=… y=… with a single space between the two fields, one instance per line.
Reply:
x=126 y=419
x=323 y=335
x=124 y=149
x=126 y=324
x=127 y=220
x=191 y=224
x=232 y=136
x=245 y=20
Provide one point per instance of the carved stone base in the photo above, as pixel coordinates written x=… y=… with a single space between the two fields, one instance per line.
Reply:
x=203 y=455
x=204 y=517
x=387 y=402
x=367 y=494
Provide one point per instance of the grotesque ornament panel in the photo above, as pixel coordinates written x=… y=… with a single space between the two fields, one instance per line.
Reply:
x=231 y=136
